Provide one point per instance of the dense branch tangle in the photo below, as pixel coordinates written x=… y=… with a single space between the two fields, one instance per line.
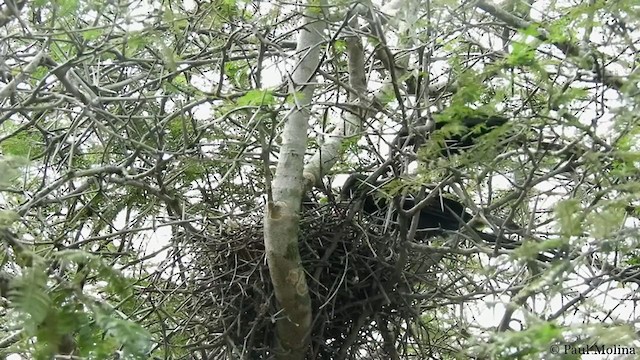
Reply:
x=167 y=125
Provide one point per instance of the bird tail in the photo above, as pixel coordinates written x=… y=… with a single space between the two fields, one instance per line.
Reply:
x=493 y=239
x=506 y=243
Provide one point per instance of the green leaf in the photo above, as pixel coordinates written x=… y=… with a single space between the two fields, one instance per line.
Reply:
x=94 y=263
x=531 y=249
x=180 y=80
x=92 y=34
x=545 y=332
x=470 y=90
x=134 y=339
x=297 y=95
x=228 y=8
x=532 y=30
x=67 y=7
x=136 y=42
x=604 y=223
x=28 y=295
x=193 y=171
x=257 y=97
x=521 y=54
x=340 y=46
x=569 y=213
x=559 y=29
x=40 y=72
x=169 y=56
x=10 y=169
x=7 y=174
x=569 y=95
x=177 y=22
x=23 y=144
x=8 y=217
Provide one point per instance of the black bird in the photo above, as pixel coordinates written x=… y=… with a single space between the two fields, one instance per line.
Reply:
x=473 y=127
x=477 y=126
x=436 y=218
x=439 y=215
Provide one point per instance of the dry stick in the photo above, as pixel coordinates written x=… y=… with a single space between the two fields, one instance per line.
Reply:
x=566 y=47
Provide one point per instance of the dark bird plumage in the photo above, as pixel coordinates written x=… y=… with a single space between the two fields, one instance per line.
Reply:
x=477 y=126
x=473 y=127
x=436 y=218
x=439 y=215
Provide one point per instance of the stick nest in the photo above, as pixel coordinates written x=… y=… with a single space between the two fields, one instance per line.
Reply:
x=360 y=298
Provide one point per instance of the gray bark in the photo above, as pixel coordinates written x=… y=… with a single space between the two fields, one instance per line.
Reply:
x=283 y=210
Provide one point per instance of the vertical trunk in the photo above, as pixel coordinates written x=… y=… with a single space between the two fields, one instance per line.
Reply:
x=283 y=210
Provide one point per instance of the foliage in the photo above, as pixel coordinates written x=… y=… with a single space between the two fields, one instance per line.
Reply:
x=137 y=140
x=45 y=298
